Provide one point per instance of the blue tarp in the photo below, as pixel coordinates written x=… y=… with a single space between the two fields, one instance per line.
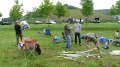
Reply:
x=103 y=40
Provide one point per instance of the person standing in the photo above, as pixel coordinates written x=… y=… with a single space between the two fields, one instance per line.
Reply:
x=67 y=31
x=77 y=29
x=18 y=31
x=116 y=34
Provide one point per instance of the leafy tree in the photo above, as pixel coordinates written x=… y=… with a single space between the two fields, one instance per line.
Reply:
x=28 y=15
x=118 y=6
x=113 y=10
x=0 y=14
x=46 y=9
x=87 y=8
x=70 y=6
x=16 y=11
x=37 y=14
x=60 y=11
x=34 y=14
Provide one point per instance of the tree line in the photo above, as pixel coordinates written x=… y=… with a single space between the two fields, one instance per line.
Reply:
x=115 y=9
x=46 y=9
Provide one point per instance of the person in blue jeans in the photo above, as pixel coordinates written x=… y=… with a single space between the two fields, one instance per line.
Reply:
x=67 y=31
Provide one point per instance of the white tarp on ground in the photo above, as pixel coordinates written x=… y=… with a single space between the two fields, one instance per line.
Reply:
x=74 y=55
x=115 y=52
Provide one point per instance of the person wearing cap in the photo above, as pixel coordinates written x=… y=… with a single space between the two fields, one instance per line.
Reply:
x=67 y=31
x=18 y=31
x=77 y=30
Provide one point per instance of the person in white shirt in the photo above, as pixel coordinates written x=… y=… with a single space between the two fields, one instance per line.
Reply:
x=77 y=29
x=116 y=35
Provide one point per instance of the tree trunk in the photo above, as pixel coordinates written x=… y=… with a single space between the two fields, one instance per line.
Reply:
x=86 y=19
x=48 y=21
x=59 y=18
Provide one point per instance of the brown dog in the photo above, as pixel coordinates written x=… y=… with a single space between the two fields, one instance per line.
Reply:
x=30 y=44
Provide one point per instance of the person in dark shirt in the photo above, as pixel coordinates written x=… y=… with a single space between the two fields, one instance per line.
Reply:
x=18 y=31
x=67 y=31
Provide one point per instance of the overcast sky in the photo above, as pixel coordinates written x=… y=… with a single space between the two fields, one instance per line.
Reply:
x=28 y=5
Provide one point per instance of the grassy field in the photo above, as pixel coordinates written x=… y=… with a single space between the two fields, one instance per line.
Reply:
x=10 y=56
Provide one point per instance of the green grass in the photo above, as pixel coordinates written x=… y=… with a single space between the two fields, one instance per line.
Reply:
x=10 y=56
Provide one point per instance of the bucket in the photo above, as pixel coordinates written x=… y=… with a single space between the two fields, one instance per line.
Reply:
x=47 y=32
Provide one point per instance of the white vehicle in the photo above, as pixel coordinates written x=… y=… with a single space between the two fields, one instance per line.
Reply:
x=51 y=22
x=37 y=22
x=118 y=21
x=82 y=20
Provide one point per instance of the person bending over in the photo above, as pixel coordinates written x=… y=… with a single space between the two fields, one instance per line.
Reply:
x=91 y=37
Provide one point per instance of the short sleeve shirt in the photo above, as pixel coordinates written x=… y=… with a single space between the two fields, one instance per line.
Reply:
x=67 y=29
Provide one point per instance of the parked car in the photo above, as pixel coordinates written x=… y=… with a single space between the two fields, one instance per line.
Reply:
x=0 y=22
x=71 y=20
x=96 y=20
x=51 y=22
x=5 y=21
x=118 y=21
x=37 y=22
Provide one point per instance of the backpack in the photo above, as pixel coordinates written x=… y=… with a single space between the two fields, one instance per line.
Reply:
x=56 y=39
x=116 y=43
